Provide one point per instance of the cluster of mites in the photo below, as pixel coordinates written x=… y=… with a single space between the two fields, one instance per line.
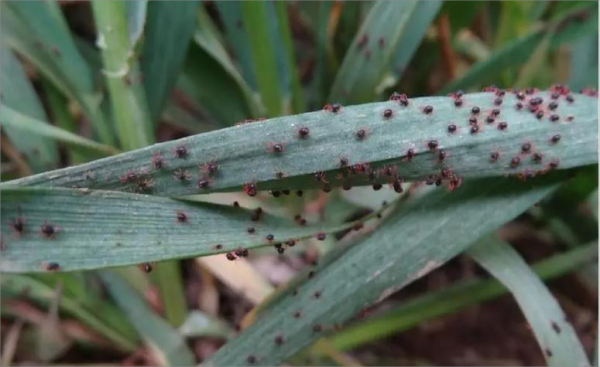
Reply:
x=526 y=100
x=18 y=227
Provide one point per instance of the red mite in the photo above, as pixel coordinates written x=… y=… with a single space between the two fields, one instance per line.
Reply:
x=361 y=134
x=181 y=175
x=320 y=176
x=428 y=110
x=276 y=148
x=555 y=139
x=410 y=154
x=387 y=114
x=128 y=176
x=210 y=168
x=321 y=236
x=250 y=188
x=181 y=217
x=452 y=128
x=48 y=230
x=148 y=267
x=494 y=156
x=303 y=132
x=230 y=256
x=203 y=184
x=18 y=225
x=157 y=161
x=52 y=266
x=432 y=144
x=181 y=151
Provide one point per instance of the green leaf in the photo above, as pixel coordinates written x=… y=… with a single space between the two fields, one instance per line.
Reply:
x=136 y=20
x=17 y=121
x=258 y=22
x=583 y=68
x=169 y=29
x=13 y=285
x=231 y=14
x=99 y=229
x=450 y=299
x=38 y=31
x=18 y=94
x=245 y=155
x=134 y=127
x=423 y=15
x=554 y=334
x=362 y=75
x=288 y=56
x=167 y=343
x=419 y=237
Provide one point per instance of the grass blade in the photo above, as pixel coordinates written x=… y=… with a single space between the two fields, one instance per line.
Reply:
x=38 y=31
x=245 y=157
x=167 y=343
x=17 y=121
x=554 y=334
x=259 y=16
x=129 y=108
x=451 y=299
x=231 y=13
x=13 y=285
x=100 y=229
x=169 y=29
x=416 y=239
x=371 y=53
x=41 y=153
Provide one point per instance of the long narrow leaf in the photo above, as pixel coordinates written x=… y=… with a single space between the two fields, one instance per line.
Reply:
x=451 y=299
x=18 y=94
x=98 y=229
x=17 y=121
x=416 y=239
x=246 y=156
x=168 y=33
x=168 y=344
x=554 y=333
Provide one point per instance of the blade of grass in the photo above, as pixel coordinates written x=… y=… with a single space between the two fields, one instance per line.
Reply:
x=169 y=29
x=26 y=124
x=134 y=128
x=100 y=229
x=583 y=71
x=554 y=334
x=258 y=22
x=231 y=14
x=167 y=343
x=123 y=338
x=419 y=237
x=381 y=39
x=38 y=31
x=137 y=13
x=17 y=93
x=288 y=56
x=451 y=299
x=245 y=157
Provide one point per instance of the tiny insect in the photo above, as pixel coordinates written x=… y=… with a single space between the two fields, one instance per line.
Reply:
x=387 y=114
x=157 y=161
x=539 y=114
x=203 y=183
x=361 y=134
x=490 y=119
x=553 y=164
x=520 y=95
x=148 y=267
x=427 y=110
x=495 y=112
x=570 y=99
x=303 y=132
x=555 y=138
x=410 y=154
x=210 y=168
x=278 y=340
x=555 y=327
x=515 y=162
x=432 y=144
x=320 y=176
x=18 y=225
x=554 y=117
x=280 y=250
x=276 y=148
x=218 y=246
x=48 y=230
x=552 y=106
x=181 y=151
x=53 y=266
x=230 y=256
x=250 y=188
x=181 y=217
x=251 y=359
x=519 y=106
x=441 y=155
x=269 y=237
x=475 y=110
x=397 y=186
x=241 y=252
x=321 y=236
x=236 y=204
x=494 y=156
x=128 y=176
x=458 y=102
x=290 y=243
x=536 y=101
x=472 y=121
x=182 y=175
x=452 y=128
x=537 y=157
x=526 y=148
x=474 y=129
